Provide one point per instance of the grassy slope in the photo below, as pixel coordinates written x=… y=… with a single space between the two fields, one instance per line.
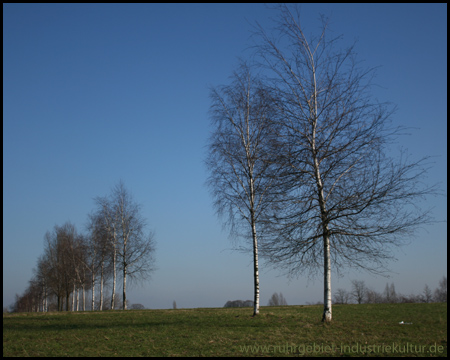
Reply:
x=228 y=332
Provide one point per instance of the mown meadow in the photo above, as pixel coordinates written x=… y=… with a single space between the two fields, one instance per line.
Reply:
x=356 y=330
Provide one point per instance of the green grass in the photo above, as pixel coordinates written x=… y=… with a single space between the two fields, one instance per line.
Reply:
x=277 y=331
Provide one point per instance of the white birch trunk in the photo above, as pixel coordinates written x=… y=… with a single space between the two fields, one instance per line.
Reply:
x=124 y=306
x=326 y=248
x=327 y=280
x=255 y=268
x=101 y=288
x=78 y=298
x=250 y=164
x=114 y=279
x=93 y=292
x=323 y=211
x=44 y=297
x=84 y=298
x=73 y=296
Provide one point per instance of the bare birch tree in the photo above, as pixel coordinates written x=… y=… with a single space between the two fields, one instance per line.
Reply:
x=79 y=257
x=133 y=247
x=42 y=275
x=108 y=212
x=349 y=201
x=239 y=173
x=99 y=254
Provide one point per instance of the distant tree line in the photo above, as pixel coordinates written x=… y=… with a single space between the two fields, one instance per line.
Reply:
x=275 y=300
x=361 y=294
x=74 y=263
x=238 y=303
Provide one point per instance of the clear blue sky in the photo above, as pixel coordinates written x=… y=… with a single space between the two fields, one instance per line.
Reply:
x=97 y=93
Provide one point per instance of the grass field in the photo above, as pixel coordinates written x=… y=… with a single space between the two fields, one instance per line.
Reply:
x=356 y=330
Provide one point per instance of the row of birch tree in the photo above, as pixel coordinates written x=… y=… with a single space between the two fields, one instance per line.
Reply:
x=115 y=241
x=300 y=160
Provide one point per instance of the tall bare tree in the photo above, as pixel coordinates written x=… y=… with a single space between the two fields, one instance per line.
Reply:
x=99 y=253
x=359 y=291
x=78 y=247
x=240 y=175
x=440 y=294
x=41 y=274
x=277 y=300
x=58 y=253
x=53 y=274
x=349 y=200
x=427 y=295
x=133 y=247
x=109 y=213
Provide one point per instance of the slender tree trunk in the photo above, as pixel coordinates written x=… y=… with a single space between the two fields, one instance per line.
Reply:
x=255 y=268
x=254 y=237
x=250 y=165
x=93 y=292
x=313 y=108
x=124 y=306
x=101 y=288
x=44 y=297
x=114 y=280
x=73 y=297
x=326 y=237
x=84 y=297
x=326 y=254
x=78 y=298
x=327 y=280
